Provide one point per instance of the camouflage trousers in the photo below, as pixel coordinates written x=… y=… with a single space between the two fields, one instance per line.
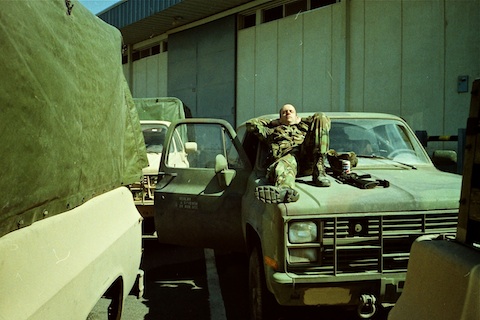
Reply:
x=283 y=172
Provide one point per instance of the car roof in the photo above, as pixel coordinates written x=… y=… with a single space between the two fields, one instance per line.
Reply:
x=339 y=115
x=167 y=123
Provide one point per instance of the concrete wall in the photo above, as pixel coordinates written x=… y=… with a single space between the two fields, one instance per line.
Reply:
x=291 y=60
x=400 y=57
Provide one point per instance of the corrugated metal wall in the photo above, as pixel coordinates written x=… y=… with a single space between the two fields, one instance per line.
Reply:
x=129 y=12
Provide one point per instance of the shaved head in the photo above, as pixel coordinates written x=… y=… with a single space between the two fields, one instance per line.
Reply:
x=288 y=115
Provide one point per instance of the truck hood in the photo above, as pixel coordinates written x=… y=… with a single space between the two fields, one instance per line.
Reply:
x=425 y=188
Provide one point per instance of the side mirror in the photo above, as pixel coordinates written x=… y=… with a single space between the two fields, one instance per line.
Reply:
x=190 y=147
x=444 y=157
x=220 y=163
x=225 y=176
x=445 y=160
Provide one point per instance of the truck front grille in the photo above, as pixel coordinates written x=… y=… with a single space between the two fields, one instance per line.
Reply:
x=370 y=243
x=143 y=191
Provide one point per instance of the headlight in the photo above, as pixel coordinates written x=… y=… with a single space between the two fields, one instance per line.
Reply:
x=302 y=232
x=153 y=180
x=137 y=195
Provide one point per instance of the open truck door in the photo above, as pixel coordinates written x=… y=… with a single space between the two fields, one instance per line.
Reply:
x=200 y=205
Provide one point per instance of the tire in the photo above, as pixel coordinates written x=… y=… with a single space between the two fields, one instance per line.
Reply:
x=262 y=304
x=110 y=305
x=115 y=308
x=115 y=293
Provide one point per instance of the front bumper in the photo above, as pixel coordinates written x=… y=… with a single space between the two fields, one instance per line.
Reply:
x=146 y=210
x=294 y=290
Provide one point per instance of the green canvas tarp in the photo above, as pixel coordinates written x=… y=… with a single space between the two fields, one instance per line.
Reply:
x=68 y=124
x=162 y=108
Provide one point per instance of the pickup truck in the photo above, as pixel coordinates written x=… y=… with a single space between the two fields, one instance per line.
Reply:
x=335 y=246
x=155 y=115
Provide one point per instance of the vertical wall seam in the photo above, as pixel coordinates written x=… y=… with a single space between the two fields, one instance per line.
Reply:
x=254 y=80
x=364 y=54
x=347 y=56
x=302 y=39
x=401 y=57
x=235 y=71
x=332 y=74
x=277 y=58
x=196 y=76
x=444 y=65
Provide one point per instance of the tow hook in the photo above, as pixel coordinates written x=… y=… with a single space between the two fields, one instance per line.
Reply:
x=367 y=307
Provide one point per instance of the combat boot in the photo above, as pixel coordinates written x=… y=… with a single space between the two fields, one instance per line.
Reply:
x=319 y=175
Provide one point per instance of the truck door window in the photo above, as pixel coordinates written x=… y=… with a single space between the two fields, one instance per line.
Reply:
x=210 y=140
x=176 y=156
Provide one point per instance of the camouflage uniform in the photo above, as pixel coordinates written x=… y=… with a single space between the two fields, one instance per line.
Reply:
x=307 y=140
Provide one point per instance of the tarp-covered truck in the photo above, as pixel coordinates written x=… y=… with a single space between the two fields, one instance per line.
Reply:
x=155 y=115
x=70 y=141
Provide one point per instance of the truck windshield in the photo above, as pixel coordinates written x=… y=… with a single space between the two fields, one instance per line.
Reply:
x=383 y=138
x=154 y=135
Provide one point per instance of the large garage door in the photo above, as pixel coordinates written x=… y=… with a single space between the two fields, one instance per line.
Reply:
x=201 y=69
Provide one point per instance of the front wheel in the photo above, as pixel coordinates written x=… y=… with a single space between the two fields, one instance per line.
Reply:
x=262 y=303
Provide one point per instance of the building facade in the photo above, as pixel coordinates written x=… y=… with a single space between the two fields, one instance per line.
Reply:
x=415 y=59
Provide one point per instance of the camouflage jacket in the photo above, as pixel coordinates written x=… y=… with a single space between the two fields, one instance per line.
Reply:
x=281 y=139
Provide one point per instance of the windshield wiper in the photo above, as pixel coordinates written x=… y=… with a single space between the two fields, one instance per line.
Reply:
x=373 y=156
